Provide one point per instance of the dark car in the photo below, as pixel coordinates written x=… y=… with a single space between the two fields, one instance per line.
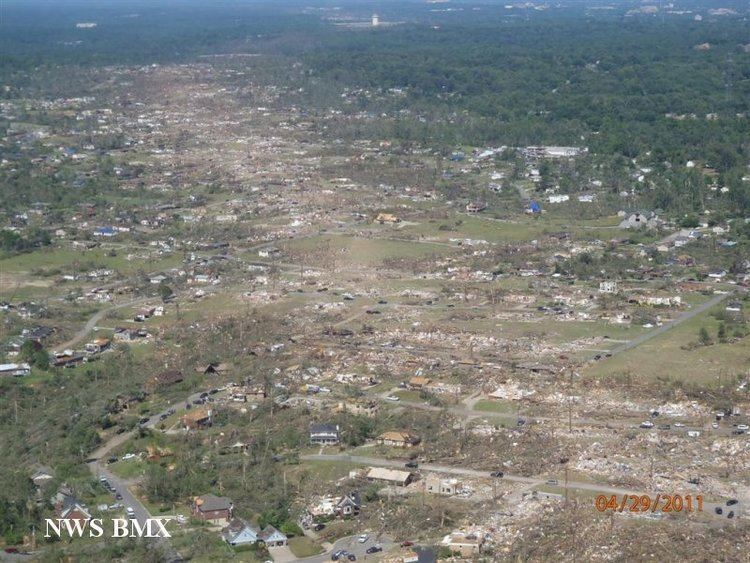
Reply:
x=213 y=391
x=730 y=514
x=719 y=510
x=144 y=420
x=203 y=395
x=319 y=527
x=120 y=430
x=118 y=496
x=664 y=427
x=412 y=464
x=520 y=422
x=407 y=543
x=374 y=549
x=732 y=502
x=382 y=302
x=372 y=312
x=351 y=557
x=496 y=474
x=113 y=459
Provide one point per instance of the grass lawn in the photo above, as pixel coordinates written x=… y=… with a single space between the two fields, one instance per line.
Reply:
x=302 y=546
x=495 y=406
x=410 y=396
x=369 y=251
x=326 y=471
x=129 y=469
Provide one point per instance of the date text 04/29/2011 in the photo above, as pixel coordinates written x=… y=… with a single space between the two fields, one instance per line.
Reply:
x=647 y=503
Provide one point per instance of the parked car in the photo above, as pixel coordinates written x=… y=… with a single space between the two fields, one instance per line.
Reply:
x=319 y=527
x=392 y=398
x=118 y=496
x=732 y=502
x=497 y=474
x=412 y=464
x=719 y=510
x=647 y=424
x=520 y=422
x=374 y=549
x=351 y=557
x=363 y=538
x=730 y=514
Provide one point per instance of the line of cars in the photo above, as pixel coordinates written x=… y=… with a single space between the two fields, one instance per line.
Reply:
x=108 y=486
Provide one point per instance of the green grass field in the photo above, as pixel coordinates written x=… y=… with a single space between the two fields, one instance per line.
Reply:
x=489 y=405
x=664 y=356
x=302 y=546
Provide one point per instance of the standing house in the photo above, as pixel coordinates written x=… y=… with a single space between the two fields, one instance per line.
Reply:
x=167 y=378
x=196 y=419
x=210 y=508
x=272 y=537
x=397 y=439
x=438 y=485
x=240 y=532
x=466 y=544
x=324 y=434
x=390 y=476
x=15 y=369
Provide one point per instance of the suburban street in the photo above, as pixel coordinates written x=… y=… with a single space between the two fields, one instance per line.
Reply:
x=709 y=507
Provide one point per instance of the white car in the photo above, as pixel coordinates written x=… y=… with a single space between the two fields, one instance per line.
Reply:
x=392 y=398
x=743 y=427
x=130 y=512
x=363 y=538
x=647 y=424
x=678 y=425
x=127 y=457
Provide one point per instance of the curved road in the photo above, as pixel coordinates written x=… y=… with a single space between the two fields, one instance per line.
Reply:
x=95 y=318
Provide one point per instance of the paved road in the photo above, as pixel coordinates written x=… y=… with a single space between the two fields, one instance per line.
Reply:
x=560 y=421
x=686 y=316
x=94 y=320
x=98 y=468
x=708 y=507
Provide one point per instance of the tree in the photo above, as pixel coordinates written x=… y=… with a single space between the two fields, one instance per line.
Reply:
x=703 y=337
x=722 y=333
x=165 y=292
